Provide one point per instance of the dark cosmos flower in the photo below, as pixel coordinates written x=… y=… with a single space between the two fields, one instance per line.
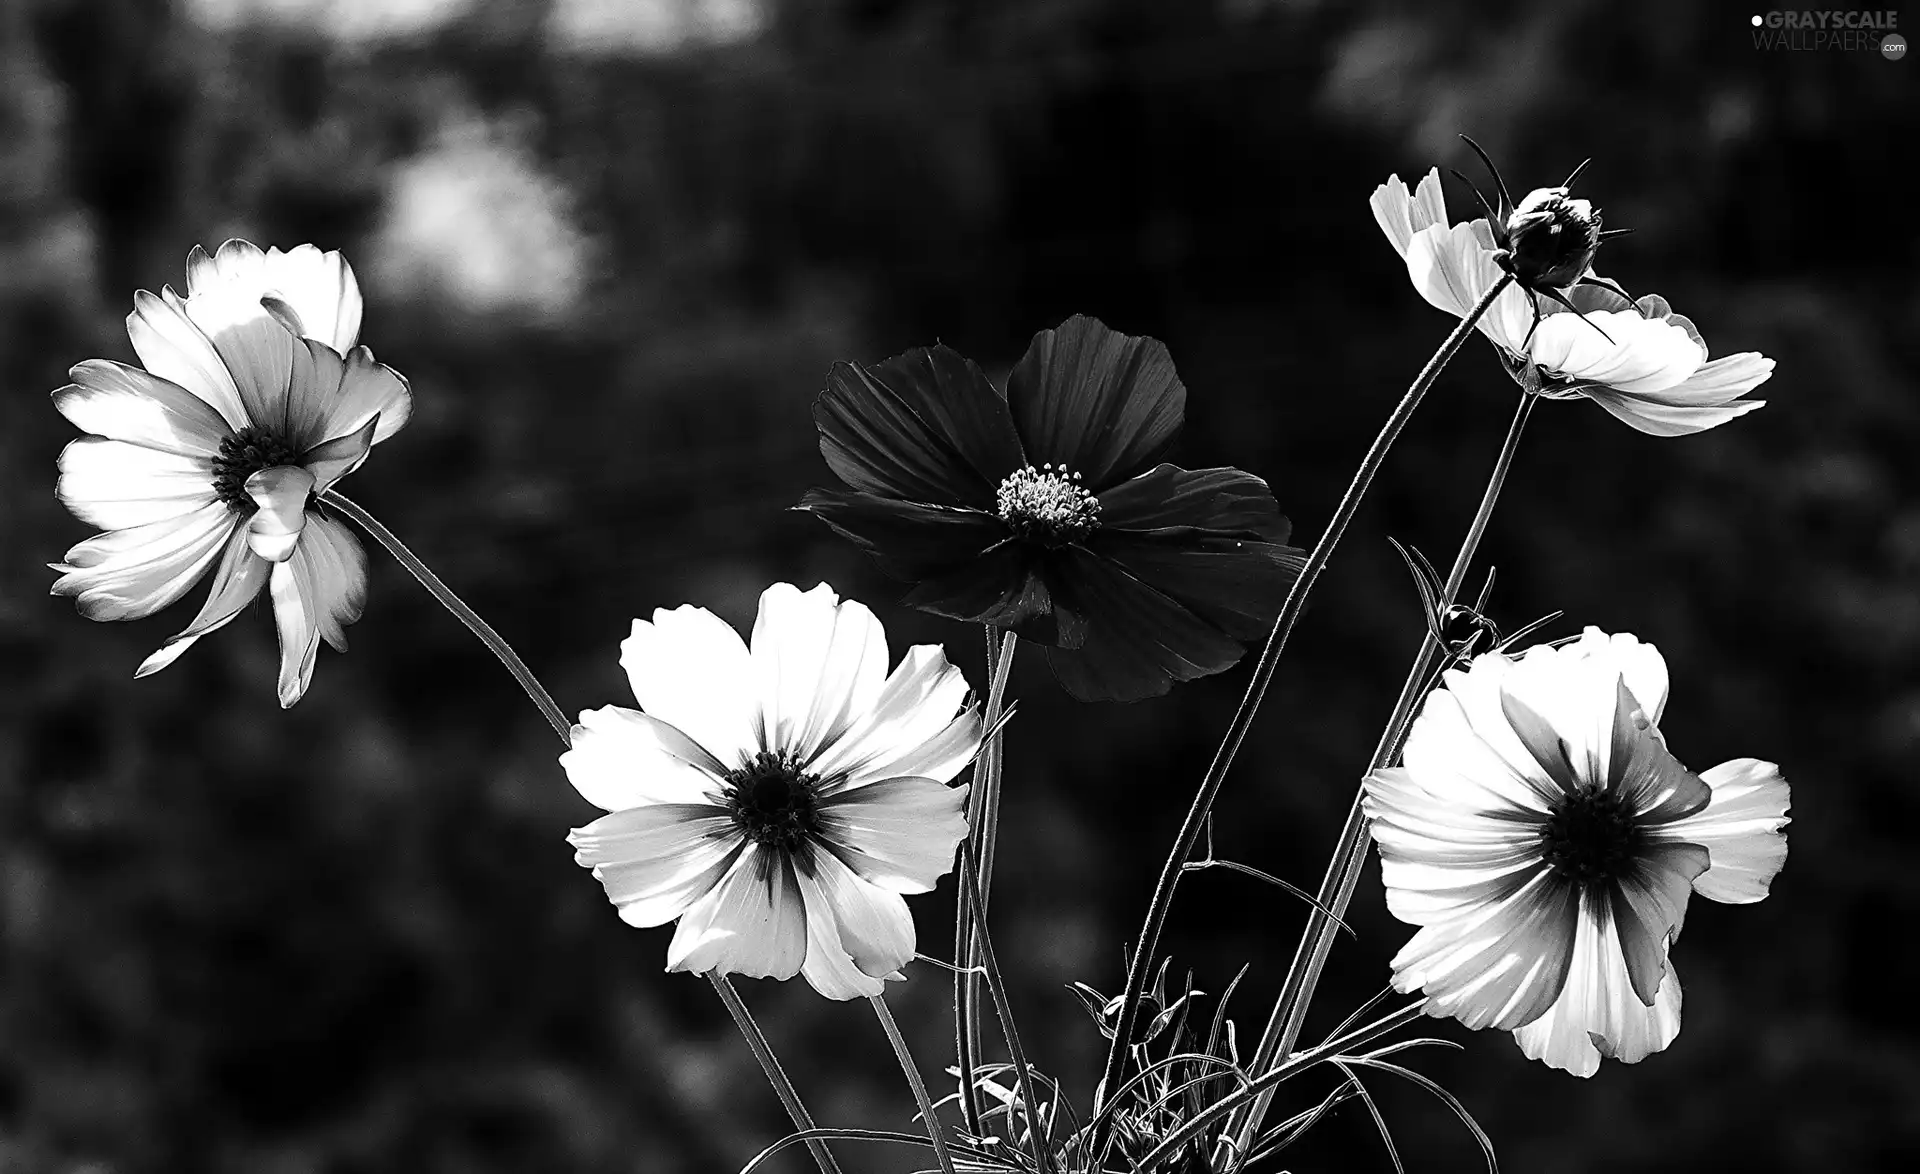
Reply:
x=1044 y=509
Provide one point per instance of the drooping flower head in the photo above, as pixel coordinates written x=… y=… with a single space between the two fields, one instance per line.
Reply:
x=1637 y=359
x=254 y=401
x=1546 y=842
x=777 y=797
x=1045 y=509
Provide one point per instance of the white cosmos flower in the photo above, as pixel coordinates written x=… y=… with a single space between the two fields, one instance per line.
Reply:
x=1644 y=363
x=1546 y=842
x=254 y=401
x=777 y=798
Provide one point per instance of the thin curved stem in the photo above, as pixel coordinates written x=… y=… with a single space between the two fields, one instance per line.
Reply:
x=984 y=804
x=1343 y=872
x=770 y=1064
x=919 y=1086
x=756 y=1040
x=1148 y=944
x=1037 y=1127
x=453 y=603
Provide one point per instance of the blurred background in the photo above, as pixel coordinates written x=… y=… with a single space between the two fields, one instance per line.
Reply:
x=616 y=245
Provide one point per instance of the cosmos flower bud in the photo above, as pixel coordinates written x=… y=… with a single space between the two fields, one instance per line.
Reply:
x=1549 y=239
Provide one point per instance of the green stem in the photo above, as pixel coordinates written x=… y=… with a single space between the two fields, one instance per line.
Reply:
x=1343 y=872
x=1141 y=962
x=984 y=805
x=756 y=1041
x=453 y=603
x=927 y=1115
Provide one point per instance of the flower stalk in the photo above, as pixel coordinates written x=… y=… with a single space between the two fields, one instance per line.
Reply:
x=928 y=1116
x=1141 y=961
x=983 y=825
x=1343 y=871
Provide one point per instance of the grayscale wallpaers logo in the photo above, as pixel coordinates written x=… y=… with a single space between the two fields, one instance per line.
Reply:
x=1824 y=29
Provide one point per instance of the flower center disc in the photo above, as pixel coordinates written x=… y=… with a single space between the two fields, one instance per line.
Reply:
x=1591 y=837
x=773 y=801
x=243 y=454
x=1048 y=505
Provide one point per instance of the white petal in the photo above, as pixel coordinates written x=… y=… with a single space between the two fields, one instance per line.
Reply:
x=331 y=461
x=1597 y=1012
x=1400 y=216
x=690 y=670
x=1639 y=664
x=1719 y=382
x=256 y=348
x=1743 y=829
x=1453 y=268
x=319 y=288
x=621 y=758
x=875 y=928
x=338 y=565
x=754 y=922
x=656 y=860
x=899 y=834
x=367 y=388
x=1501 y=966
x=1658 y=419
x=236 y=582
x=820 y=664
x=125 y=403
x=1633 y=355
x=1649 y=906
x=828 y=968
x=1442 y=858
x=130 y=573
x=307 y=601
x=172 y=347
x=280 y=496
x=913 y=727
x=114 y=485
x=1462 y=750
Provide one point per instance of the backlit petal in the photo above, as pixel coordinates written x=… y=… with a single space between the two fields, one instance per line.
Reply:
x=898 y=833
x=236 y=583
x=621 y=758
x=753 y=922
x=691 y=670
x=125 y=403
x=656 y=860
x=1743 y=829
x=115 y=485
x=135 y=572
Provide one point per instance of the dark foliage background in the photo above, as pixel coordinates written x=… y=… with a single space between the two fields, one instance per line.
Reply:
x=350 y=938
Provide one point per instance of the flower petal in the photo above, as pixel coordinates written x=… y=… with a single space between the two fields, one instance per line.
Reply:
x=692 y=671
x=256 y=348
x=1649 y=907
x=125 y=403
x=1658 y=419
x=1140 y=640
x=116 y=485
x=914 y=725
x=1639 y=664
x=1221 y=502
x=1237 y=585
x=367 y=388
x=924 y=426
x=317 y=288
x=906 y=539
x=656 y=860
x=753 y=922
x=873 y=923
x=334 y=459
x=829 y=968
x=621 y=758
x=1441 y=858
x=134 y=572
x=1621 y=350
x=1401 y=216
x=1743 y=829
x=899 y=834
x=1597 y=1012
x=1454 y=267
x=173 y=348
x=1502 y=966
x=820 y=663
x=1007 y=587
x=1448 y=750
x=236 y=583
x=1101 y=403
x=280 y=497
x=317 y=591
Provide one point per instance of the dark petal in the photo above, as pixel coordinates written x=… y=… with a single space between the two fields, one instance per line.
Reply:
x=923 y=426
x=1104 y=404
x=907 y=539
x=1007 y=588
x=1235 y=584
x=1221 y=501
x=1138 y=640
x=1546 y=746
